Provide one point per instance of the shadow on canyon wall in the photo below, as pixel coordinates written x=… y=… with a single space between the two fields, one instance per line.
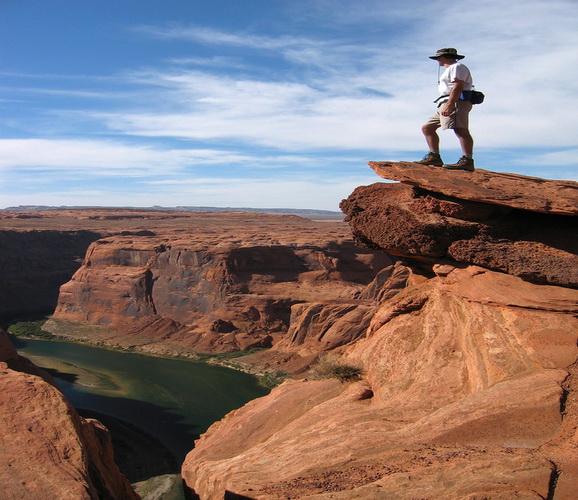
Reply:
x=34 y=264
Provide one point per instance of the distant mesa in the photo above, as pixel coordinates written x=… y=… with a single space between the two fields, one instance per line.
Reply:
x=301 y=212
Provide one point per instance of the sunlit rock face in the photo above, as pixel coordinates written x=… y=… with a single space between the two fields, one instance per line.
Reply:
x=469 y=375
x=48 y=451
x=213 y=289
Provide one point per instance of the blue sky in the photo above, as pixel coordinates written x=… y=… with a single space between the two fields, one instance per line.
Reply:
x=268 y=103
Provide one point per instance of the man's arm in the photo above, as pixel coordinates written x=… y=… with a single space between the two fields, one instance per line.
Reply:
x=450 y=106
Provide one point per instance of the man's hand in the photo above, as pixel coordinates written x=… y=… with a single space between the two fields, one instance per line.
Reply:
x=448 y=109
x=450 y=106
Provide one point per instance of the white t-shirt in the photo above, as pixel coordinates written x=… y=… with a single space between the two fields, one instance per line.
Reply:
x=456 y=71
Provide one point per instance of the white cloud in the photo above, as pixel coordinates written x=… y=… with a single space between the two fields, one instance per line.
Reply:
x=324 y=53
x=105 y=158
x=567 y=157
x=204 y=35
x=526 y=68
x=284 y=115
x=92 y=94
x=99 y=157
x=210 y=62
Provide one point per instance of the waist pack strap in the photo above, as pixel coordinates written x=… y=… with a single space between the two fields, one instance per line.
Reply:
x=441 y=97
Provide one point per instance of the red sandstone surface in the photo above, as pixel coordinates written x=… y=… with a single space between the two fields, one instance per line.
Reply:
x=468 y=385
x=464 y=375
x=48 y=451
x=411 y=220
x=495 y=188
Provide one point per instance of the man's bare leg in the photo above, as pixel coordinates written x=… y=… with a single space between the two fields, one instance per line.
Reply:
x=431 y=137
x=466 y=141
x=466 y=162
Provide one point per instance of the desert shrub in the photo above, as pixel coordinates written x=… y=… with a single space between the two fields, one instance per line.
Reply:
x=223 y=356
x=272 y=379
x=29 y=329
x=330 y=366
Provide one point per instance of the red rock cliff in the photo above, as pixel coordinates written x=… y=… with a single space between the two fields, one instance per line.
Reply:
x=469 y=382
x=48 y=451
x=227 y=283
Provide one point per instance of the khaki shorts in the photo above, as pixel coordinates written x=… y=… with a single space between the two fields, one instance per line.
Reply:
x=458 y=119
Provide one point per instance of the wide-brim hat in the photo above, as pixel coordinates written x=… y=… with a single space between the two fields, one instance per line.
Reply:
x=448 y=52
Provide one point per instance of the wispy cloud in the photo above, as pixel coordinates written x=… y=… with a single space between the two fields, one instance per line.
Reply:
x=565 y=157
x=201 y=34
x=209 y=62
x=83 y=94
x=101 y=157
x=108 y=158
x=326 y=54
x=366 y=96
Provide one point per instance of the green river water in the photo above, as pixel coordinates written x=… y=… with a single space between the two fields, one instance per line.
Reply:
x=171 y=400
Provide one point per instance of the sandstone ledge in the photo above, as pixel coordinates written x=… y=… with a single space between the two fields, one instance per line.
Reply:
x=434 y=214
x=510 y=190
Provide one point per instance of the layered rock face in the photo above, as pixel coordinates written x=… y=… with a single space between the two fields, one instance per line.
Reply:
x=175 y=282
x=41 y=249
x=519 y=225
x=316 y=328
x=214 y=289
x=468 y=385
x=48 y=451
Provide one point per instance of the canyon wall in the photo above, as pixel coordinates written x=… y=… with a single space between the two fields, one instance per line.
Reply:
x=209 y=291
x=33 y=265
x=176 y=283
x=41 y=249
x=468 y=374
x=48 y=450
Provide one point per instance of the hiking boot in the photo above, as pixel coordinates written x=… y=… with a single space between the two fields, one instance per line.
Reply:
x=464 y=163
x=431 y=159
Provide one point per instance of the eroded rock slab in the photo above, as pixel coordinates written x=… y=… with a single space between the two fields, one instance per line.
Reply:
x=509 y=190
x=407 y=221
x=317 y=328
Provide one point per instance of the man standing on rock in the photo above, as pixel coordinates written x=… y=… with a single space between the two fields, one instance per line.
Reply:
x=452 y=111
